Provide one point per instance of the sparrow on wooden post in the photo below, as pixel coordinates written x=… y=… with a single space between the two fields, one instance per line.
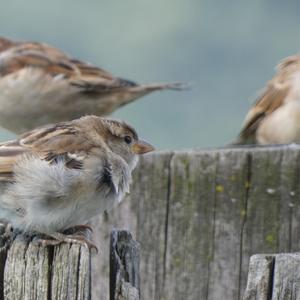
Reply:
x=40 y=84
x=275 y=117
x=59 y=176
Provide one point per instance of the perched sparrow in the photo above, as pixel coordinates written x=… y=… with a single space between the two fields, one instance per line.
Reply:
x=275 y=117
x=59 y=176
x=40 y=84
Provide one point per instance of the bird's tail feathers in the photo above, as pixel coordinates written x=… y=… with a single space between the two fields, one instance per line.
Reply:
x=177 y=86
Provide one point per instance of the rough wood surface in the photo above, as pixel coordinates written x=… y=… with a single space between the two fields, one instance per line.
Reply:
x=124 y=266
x=200 y=215
x=274 y=277
x=286 y=280
x=35 y=272
x=259 y=284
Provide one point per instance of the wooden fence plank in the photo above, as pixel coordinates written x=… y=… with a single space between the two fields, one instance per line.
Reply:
x=230 y=212
x=190 y=226
x=151 y=198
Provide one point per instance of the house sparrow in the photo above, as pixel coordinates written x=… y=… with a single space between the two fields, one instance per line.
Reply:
x=40 y=84
x=275 y=117
x=59 y=176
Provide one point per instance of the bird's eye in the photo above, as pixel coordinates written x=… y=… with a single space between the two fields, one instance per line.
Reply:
x=128 y=139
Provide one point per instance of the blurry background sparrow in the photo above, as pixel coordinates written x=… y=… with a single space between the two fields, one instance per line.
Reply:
x=61 y=175
x=40 y=84
x=275 y=117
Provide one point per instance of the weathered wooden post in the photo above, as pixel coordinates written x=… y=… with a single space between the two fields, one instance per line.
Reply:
x=34 y=272
x=259 y=285
x=273 y=277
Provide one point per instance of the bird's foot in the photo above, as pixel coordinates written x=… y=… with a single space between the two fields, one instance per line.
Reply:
x=80 y=237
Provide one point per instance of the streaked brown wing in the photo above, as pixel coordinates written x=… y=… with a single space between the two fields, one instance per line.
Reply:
x=56 y=140
x=87 y=77
x=88 y=70
x=52 y=143
x=71 y=161
x=29 y=55
x=84 y=77
x=269 y=101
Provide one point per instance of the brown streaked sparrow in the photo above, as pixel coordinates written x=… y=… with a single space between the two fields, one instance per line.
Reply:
x=59 y=176
x=40 y=84
x=275 y=117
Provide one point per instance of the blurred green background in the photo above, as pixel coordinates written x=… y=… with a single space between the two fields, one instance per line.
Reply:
x=226 y=49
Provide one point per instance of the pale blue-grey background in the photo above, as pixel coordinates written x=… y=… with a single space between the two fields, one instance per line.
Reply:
x=226 y=49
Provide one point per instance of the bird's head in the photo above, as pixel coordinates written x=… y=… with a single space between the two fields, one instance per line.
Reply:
x=123 y=140
x=118 y=136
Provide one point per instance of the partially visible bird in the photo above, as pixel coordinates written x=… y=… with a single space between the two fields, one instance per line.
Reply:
x=59 y=176
x=40 y=84
x=275 y=117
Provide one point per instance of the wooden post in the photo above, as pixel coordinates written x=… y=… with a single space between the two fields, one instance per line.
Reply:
x=124 y=266
x=274 y=277
x=200 y=215
x=33 y=272
x=260 y=278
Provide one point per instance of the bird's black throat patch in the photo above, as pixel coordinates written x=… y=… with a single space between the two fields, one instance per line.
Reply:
x=106 y=178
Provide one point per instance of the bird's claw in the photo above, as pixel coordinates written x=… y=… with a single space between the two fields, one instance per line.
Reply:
x=58 y=238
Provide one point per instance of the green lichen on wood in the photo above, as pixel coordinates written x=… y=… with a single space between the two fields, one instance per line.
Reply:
x=271 y=239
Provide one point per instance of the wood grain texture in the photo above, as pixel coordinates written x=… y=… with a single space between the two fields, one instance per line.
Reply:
x=259 y=284
x=200 y=215
x=286 y=277
x=274 y=277
x=35 y=272
x=124 y=266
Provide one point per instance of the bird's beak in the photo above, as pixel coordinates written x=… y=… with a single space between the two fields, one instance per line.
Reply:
x=141 y=147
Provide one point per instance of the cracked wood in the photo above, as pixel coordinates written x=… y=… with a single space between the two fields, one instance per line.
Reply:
x=273 y=277
x=36 y=272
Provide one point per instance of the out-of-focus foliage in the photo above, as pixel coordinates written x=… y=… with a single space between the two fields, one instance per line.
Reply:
x=226 y=49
